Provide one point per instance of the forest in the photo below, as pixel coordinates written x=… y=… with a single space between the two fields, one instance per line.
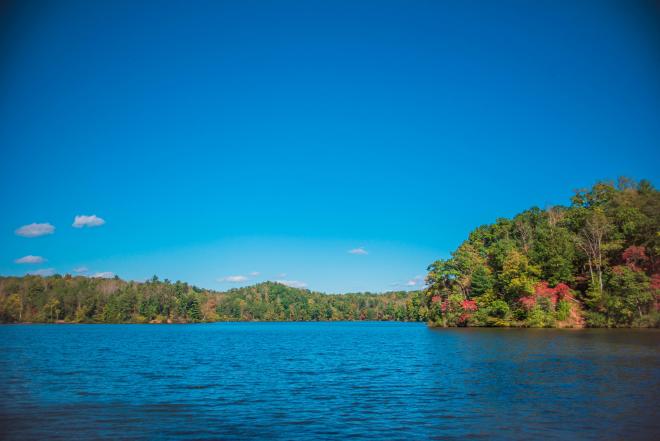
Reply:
x=67 y=299
x=593 y=263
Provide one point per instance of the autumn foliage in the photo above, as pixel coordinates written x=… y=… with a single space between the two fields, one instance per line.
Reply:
x=542 y=289
x=469 y=305
x=595 y=262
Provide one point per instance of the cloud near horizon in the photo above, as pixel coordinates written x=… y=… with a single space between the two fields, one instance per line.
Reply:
x=359 y=251
x=80 y=269
x=30 y=259
x=233 y=279
x=415 y=281
x=35 y=230
x=239 y=278
x=292 y=283
x=43 y=272
x=103 y=275
x=87 y=221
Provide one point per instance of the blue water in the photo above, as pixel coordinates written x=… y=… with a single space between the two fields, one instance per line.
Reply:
x=326 y=381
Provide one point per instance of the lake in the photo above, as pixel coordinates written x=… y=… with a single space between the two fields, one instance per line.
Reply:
x=326 y=381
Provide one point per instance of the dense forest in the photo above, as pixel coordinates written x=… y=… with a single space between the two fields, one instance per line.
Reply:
x=91 y=300
x=593 y=263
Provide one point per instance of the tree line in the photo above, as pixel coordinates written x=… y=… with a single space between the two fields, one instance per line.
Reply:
x=91 y=300
x=592 y=263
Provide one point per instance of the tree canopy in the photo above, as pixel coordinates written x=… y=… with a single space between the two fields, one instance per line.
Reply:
x=594 y=263
x=89 y=300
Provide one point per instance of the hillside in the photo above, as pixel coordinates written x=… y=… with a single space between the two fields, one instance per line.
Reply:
x=90 y=300
x=595 y=262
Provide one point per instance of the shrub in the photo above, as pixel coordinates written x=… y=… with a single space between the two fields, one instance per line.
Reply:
x=595 y=319
x=499 y=309
x=651 y=320
x=563 y=310
x=538 y=318
x=479 y=318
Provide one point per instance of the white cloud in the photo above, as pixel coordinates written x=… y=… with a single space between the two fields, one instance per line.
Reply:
x=43 y=272
x=80 y=269
x=292 y=283
x=103 y=275
x=415 y=281
x=30 y=259
x=239 y=278
x=359 y=251
x=233 y=279
x=87 y=221
x=35 y=230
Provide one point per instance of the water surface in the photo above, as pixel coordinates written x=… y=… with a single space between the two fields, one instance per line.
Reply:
x=326 y=380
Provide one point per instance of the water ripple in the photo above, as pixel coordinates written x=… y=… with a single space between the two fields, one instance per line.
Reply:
x=298 y=381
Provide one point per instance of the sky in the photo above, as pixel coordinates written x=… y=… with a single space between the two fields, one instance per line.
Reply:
x=336 y=145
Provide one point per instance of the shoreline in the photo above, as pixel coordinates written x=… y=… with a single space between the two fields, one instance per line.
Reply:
x=429 y=326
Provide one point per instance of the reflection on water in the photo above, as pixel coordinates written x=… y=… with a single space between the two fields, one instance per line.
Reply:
x=326 y=380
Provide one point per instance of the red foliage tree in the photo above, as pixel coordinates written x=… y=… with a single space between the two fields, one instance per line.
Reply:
x=655 y=281
x=562 y=291
x=542 y=289
x=635 y=257
x=469 y=305
x=528 y=302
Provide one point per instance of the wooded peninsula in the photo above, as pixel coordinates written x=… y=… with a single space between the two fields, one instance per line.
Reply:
x=593 y=263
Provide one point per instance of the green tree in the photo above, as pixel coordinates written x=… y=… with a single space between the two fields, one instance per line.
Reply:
x=482 y=281
x=518 y=276
x=629 y=295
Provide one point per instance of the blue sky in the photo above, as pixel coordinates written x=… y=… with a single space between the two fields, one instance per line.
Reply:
x=217 y=140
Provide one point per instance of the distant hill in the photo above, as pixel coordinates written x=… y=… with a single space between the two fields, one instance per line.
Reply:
x=93 y=300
